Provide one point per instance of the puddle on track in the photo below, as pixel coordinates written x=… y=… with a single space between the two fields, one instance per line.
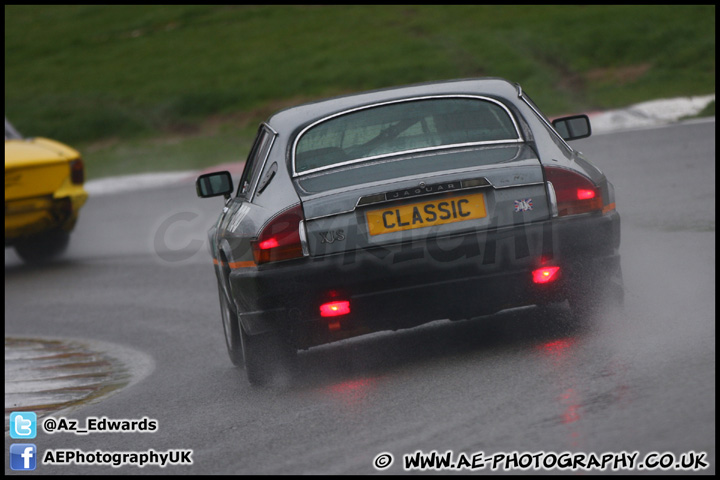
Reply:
x=48 y=375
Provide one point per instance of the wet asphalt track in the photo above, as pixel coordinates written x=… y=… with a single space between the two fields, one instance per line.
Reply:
x=138 y=275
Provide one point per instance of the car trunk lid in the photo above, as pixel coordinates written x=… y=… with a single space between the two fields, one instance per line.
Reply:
x=415 y=197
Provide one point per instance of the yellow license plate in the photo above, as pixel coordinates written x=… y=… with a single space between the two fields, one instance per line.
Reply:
x=426 y=214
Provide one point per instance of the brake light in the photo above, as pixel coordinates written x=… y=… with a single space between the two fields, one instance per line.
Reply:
x=280 y=238
x=575 y=193
x=335 y=309
x=77 y=171
x=545 y=274
x=268 y=244
x=585 y=194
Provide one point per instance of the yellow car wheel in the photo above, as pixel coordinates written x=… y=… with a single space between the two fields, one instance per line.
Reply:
x=43 y=247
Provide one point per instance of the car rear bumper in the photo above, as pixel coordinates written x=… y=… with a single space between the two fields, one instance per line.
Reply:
x=33 y=216
x=406 y=285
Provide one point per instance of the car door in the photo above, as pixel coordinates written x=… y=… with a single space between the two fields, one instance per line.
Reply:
x=232 y=238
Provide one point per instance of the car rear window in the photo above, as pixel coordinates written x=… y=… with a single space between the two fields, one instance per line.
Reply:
x=405 y=126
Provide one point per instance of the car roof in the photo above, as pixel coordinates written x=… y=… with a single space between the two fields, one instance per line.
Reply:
x=293 y=117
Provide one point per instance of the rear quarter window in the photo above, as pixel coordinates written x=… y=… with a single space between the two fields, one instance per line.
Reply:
x=10 y=132
x=255 y=161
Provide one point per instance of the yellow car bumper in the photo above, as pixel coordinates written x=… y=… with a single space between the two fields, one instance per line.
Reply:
x=32 y=216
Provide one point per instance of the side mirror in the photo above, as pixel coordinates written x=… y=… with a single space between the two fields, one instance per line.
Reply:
x=572 y=128
x=214 y=184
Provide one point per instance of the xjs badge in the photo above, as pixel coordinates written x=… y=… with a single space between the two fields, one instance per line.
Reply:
x=332 y=236
x=523 y=205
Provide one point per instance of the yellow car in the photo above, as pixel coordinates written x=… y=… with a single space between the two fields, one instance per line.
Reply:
x=43 y=195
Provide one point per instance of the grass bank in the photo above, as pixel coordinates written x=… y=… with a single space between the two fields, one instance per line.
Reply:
x=149 y=88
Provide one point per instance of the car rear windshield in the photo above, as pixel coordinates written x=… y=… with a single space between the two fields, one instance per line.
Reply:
x=405 y=126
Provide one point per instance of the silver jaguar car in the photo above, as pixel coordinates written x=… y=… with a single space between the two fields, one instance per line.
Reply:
x=396 y=207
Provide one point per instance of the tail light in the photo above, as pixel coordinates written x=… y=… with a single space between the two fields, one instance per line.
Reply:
x=280 y=238
x=335 y=309
x=545 y=274
x=77 y=171
x=575 y=193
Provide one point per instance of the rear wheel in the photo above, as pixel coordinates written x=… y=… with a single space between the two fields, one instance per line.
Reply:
x=42 y=248
x=269 y=359
x=231 y=329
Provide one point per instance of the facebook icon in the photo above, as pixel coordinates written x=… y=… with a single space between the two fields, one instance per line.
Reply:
x=22 y=456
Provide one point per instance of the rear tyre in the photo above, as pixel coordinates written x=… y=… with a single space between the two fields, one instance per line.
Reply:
x=269 y=359
x=231 y=329
x=41 y=248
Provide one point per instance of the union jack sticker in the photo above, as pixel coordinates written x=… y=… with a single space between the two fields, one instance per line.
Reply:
x=523 y=205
